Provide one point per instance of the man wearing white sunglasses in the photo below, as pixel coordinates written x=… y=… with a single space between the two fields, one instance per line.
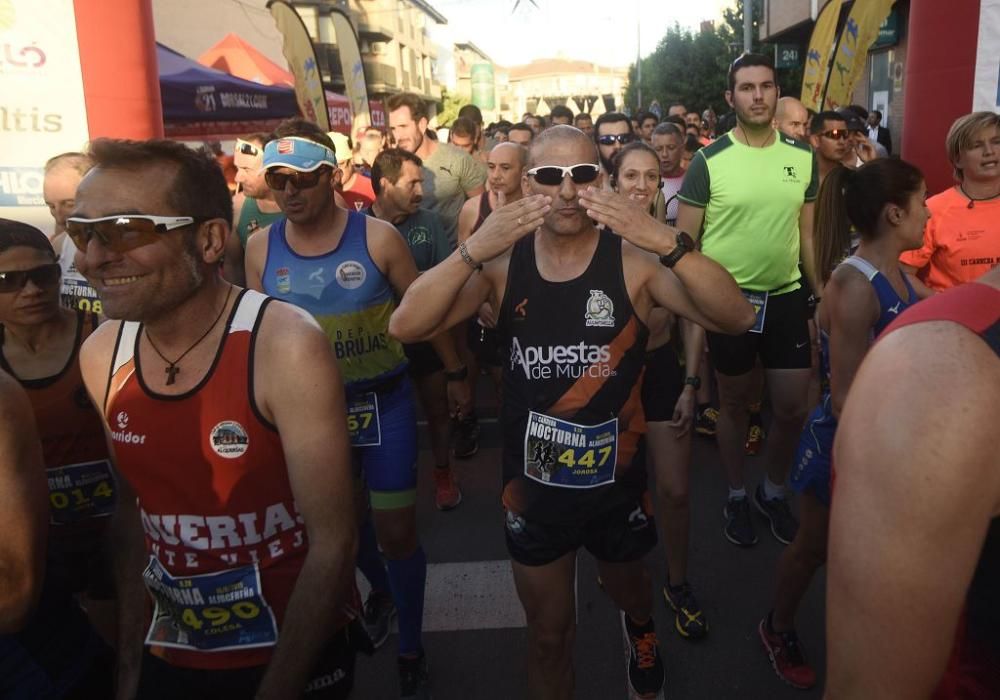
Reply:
x=254 y=207
x=572 y=303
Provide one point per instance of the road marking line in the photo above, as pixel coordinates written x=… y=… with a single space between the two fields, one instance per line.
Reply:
x=475 y=595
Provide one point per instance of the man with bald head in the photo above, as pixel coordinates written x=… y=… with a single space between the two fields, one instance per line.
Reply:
x=792 y=118
x=505 y=168
x=572 y=304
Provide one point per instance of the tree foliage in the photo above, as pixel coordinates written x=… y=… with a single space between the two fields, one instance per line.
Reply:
x=691 y=66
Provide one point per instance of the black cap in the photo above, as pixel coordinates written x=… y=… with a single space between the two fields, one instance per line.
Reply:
x=854 y=122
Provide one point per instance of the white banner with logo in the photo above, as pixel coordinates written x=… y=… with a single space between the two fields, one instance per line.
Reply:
x=986 y=92
x=42 y=110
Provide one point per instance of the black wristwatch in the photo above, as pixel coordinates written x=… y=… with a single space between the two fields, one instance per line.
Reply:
x=693 y=381
x=685 y=244
x=458 y=375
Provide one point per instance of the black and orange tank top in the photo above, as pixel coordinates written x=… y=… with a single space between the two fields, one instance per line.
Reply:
x=572 y=416
x=224 y=538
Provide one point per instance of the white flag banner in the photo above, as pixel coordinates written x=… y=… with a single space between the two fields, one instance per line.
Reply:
x=986 y=91
x=42 y=109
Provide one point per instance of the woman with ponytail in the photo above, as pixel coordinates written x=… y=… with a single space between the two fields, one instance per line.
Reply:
x=879 y=209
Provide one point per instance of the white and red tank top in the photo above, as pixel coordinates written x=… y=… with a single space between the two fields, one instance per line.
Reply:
x=224 y=539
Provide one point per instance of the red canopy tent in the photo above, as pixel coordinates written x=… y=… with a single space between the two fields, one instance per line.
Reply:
x=237 y=57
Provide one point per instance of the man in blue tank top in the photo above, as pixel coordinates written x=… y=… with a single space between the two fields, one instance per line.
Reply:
x=573 y=302
x=347 y=270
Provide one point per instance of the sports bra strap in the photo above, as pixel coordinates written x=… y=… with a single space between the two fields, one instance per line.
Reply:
x=862 y=266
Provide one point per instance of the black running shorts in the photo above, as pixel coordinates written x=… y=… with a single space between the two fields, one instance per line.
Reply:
x=784 y=344
x=424 y=360
x=662 y=383
x=332 y=678
x=484 y=344
x=622 y=530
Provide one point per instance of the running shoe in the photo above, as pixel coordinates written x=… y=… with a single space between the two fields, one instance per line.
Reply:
x=787 y=656
x=739 y=527
x=414 y=683
x=377 y=614
x=466 y=436
x=778 y=514
x=447 y=495
x=643 y=664
x=755 y=438
x=705 y=421
x=689 y=618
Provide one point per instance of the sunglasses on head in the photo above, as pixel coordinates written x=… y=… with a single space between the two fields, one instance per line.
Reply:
x=122 y=232
x=248 y=149
x=581 y=173
x=300 y=181
x=42 y=276
x=839 y=134
x=611 y=139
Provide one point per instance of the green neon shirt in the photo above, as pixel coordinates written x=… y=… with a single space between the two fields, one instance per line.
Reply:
x=752 y=198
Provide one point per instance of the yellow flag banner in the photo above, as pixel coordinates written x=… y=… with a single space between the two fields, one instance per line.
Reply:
x=818 y=59
x=301 y=57
x=352 y=69
x=858 y=36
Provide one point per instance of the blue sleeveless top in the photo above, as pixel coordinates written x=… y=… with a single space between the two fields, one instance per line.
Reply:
x=890 y=306
x=347 y=294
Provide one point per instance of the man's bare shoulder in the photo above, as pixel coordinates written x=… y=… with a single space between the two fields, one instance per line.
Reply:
x=257 y=241
x=471 y=205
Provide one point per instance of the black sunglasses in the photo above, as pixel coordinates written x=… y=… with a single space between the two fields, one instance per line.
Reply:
x=839 y=134
x=42 y=276
x=610 y=139
x=300 y=181
x=581 y=173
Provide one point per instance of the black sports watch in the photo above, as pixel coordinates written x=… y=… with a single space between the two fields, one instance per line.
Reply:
x=457 y=375
x=693 y=381
x=685 y=244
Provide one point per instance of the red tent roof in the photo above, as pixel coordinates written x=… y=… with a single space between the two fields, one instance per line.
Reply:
x=235 y=56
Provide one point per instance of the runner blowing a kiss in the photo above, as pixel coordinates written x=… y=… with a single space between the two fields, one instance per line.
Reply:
x=573 y=303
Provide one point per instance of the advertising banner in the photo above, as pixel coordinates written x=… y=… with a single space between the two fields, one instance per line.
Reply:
x=351 y=68
x=858 y=36
x=818 y=58
x=301 y=57
x=986 y=92
x=38 y=51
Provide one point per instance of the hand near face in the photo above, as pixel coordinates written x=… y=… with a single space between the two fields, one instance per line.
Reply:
x=628 y=218
x=506 y=225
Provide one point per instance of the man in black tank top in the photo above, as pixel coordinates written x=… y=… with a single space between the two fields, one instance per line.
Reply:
x=914 y=553
x=505 y=169
x=572 y=307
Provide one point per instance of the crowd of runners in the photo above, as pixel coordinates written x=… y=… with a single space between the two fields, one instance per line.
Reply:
x=210 y=401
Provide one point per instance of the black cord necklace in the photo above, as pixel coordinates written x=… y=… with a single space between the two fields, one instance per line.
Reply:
x=973 y=200
x=172 y=369
x=746 y=137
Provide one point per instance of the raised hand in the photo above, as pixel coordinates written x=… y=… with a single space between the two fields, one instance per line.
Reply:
x=629 y=219
x=506 y=225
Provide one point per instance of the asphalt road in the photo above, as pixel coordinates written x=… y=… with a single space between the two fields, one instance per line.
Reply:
x=475 y=639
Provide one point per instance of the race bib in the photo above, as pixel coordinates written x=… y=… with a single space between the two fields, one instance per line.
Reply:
x=77 y=294
x=362 y=420
x=560 y=453
x=220 y=611
x=80 y=491
x=759 y=302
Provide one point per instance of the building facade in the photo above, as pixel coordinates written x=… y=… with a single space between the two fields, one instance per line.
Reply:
x=580 y=85
x=882 y=85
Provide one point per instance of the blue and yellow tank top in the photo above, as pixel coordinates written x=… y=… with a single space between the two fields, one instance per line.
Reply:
x=347 y=294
